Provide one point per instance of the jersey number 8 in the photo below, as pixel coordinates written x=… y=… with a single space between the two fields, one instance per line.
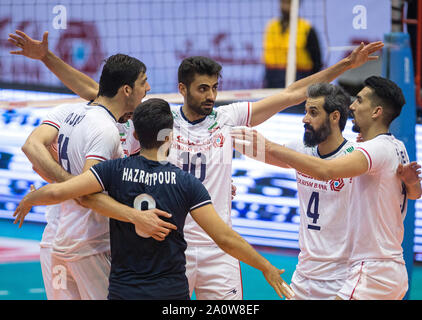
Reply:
x=143 y=202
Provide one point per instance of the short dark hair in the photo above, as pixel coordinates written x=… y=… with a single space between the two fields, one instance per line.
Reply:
x=335 y=99
x=386 y=94
x=119 y=70
x=149 y=118
x=197 y=65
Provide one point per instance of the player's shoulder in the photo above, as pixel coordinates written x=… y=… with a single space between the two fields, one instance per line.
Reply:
x=231 y=111
x=349 y=146
x=382 y=141
x=232 y=106
x=68 y=108
x=101 y=117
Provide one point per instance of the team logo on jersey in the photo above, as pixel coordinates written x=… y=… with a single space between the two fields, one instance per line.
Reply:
x=175 y=115
x=214 y=127
x=336 y=185
x=218 y=140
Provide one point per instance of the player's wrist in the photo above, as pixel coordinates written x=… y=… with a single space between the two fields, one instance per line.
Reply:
x=46 y=58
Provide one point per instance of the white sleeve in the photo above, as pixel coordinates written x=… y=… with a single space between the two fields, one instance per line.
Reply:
x=57 y=116
x=133 y=144
x=375 y=153
x=294 y=145
x=239 y=113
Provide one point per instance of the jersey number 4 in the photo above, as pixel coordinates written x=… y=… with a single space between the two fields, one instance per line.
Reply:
x=312 y=211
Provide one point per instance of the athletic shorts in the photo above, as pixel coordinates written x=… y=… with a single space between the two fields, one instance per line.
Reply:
x=311 y=289
x=83 y=279
x=213 y=274
x=375 y=280
x=45 y=261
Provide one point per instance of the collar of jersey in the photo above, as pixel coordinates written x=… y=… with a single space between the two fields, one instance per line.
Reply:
x=191 y=122
x=384 y=134
x=105 y=108
x=334 y=152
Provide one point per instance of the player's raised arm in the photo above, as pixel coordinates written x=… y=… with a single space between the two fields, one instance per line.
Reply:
x=236 y=246
x=296 y=92
x=79 y=83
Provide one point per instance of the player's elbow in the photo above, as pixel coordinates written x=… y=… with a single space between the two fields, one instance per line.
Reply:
x=324 y=174
x=27 y=147
x=227 y=241
x=55 y=194
x=86 y=201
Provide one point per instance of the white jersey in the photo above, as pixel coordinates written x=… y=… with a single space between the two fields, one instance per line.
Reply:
x=85 y=132
x=52 y=214
x=129 y=144
x=380 y=202
x=204 y=148
x=323 y=219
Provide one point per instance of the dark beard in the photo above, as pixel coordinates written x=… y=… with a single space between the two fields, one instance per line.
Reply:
x=356 y=128
x=314 y=137
x=197 y=108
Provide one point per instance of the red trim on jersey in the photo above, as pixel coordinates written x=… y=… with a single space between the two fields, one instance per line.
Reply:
x=97 y=157
x=51 y=123
x=136 y=151
x=370 y=160
x=249 y=112
x=360 y=274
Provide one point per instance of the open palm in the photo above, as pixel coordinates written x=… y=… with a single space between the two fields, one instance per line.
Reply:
x=31 y=48
x=362 y=54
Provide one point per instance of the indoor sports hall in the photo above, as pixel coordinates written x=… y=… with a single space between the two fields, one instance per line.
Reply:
x=161 y=33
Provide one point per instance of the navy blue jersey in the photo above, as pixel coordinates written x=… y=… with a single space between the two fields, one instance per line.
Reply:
x=143 y=268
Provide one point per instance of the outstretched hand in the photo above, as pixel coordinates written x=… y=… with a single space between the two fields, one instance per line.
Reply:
x=249 y=142
x=22 y=209
x=273 y=277
x=362 y=54
x=31 y=48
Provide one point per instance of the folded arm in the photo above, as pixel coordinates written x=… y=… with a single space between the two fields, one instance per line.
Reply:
x=37 y=150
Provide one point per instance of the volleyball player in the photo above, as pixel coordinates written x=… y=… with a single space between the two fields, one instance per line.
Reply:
x=87 y=134
x=383 y=180
x=141 y=267
x=202 y=144
x=322 y=263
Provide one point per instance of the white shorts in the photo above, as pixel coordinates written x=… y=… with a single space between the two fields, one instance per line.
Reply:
x=83 y=279
x=213 y=274
x=375 y=280
x=45 y=261
x=310 y=289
